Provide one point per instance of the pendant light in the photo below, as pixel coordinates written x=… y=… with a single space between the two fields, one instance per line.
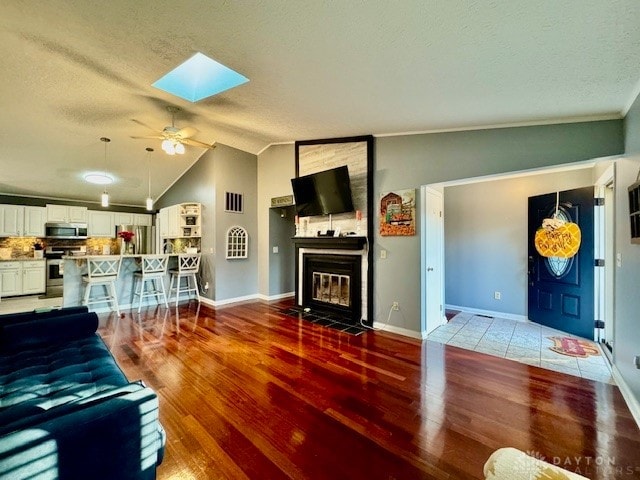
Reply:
x=149 y=199
x=104 y=199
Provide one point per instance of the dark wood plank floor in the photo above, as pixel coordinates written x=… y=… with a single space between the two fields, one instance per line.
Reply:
x=247 y=392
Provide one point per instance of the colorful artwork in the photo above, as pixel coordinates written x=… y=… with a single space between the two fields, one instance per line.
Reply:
x=398 y=213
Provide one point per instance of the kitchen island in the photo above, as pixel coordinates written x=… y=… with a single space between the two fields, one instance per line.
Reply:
x=76 y=266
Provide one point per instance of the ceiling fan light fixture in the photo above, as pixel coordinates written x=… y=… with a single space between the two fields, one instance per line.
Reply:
x=179 y=148
x=167 y=145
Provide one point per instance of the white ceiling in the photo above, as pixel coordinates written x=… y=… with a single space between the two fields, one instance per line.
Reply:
x=74 y=71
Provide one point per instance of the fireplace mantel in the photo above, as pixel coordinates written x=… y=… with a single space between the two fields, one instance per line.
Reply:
x=343 y=243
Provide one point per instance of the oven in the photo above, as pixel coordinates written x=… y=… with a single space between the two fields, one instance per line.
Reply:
x=55 y=277
x=55 y=271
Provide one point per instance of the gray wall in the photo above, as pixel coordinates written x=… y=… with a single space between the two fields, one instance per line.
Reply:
x=627 y=276
x=276 y=168
x=413 y=160
x=282 y=264
x=229 y=169
x=486 y=242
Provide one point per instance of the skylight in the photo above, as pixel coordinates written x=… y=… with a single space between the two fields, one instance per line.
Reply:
x=198 y=78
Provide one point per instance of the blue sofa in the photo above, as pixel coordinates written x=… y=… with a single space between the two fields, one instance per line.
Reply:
x=67 y=411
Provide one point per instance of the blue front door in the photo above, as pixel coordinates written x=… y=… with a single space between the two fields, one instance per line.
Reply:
x=561 y=291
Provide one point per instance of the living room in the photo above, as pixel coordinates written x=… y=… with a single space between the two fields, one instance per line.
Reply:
x=253 y=157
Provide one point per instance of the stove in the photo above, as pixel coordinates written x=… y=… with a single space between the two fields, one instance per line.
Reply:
x=55 y=268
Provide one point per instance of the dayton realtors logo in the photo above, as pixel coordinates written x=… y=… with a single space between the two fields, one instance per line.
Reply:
x=585 y=465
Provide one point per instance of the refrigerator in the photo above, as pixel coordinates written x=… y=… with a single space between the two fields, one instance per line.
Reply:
x=143 y=240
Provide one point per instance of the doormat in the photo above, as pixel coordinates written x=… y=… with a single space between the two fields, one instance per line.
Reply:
x=573 y=347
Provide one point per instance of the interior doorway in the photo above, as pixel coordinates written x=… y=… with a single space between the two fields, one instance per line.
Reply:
x=450 y=276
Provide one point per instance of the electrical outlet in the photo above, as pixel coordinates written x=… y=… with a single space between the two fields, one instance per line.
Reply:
x=206 y=286
x=395 y=306
x=497 y=295
x=383 y=254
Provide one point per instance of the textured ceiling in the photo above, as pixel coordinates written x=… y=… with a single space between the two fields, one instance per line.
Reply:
x=75 y=71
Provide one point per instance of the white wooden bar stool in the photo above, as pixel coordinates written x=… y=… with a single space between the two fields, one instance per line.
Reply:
x=102 y=272
x=188 y=266
x=154 y=269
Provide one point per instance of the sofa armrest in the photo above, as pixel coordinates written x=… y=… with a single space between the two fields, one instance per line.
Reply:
x=107 y=437
x=46 y=331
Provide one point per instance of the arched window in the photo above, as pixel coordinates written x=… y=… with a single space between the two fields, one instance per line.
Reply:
x=237 y=243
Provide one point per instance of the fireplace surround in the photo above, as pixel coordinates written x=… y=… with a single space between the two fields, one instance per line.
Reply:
x=332 y=274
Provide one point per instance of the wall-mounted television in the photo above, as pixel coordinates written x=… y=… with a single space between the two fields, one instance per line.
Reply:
x=323 y=193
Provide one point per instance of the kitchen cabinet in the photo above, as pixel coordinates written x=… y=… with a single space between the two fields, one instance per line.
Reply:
x=123 y=218
x=101 y=224
x=142 y=219
x=33 y=277
x=11 y=275
x=180 y=221
x=34 y=220
x=23 y=277
x=11 y=220
x=66 y=213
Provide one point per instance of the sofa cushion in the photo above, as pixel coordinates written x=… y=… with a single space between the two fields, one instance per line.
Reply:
x=34 y=380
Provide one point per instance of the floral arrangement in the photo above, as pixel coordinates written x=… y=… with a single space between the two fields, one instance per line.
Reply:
x=126 y=235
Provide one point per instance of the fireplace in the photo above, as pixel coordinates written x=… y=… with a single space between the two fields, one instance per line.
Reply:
x=332 y=283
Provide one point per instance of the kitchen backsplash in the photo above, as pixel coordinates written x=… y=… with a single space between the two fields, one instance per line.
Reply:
x=15 y=247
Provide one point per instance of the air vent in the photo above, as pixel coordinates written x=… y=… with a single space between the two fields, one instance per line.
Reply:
x=233 y=202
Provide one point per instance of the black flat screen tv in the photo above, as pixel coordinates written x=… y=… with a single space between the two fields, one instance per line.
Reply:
x=323 y=193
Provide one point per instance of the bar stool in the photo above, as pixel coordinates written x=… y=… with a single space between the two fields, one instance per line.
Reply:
x=102 y=272
x=188 y=266
x=154 y=268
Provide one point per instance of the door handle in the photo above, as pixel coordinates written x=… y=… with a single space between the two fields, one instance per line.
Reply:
x=429 y=269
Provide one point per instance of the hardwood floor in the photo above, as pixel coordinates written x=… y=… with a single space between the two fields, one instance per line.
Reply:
x=247 y=392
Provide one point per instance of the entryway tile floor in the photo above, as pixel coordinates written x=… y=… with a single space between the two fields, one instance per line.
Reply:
x=524 y=342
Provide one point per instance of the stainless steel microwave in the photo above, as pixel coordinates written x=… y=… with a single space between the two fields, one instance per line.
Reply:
x=67 y=231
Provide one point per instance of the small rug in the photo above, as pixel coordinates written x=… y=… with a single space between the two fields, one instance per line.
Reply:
x=573 y=347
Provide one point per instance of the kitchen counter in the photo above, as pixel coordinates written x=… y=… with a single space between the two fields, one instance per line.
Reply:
x=76 y=265
x=21 y=259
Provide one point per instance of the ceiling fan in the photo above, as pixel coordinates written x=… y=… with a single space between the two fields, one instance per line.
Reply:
x=174 y=139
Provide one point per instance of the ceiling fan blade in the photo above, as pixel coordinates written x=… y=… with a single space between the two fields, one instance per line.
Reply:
x=143 y=124
x=196 y=143
x=187 y=132
x=160 y=137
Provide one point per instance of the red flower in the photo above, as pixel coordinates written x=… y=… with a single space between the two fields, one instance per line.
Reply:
x=126 y=235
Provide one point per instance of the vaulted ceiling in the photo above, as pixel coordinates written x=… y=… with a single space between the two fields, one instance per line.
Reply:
x=75 y=71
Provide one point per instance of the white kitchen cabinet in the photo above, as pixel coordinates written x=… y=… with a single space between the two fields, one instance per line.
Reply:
x=163 y=222
x=33 y=277
x=142 y=219
x=11 y=274
x=34 y=220
x=101 y=224
x=11 y=220
x=123 y=218
x=66 y=214
x=180 y=221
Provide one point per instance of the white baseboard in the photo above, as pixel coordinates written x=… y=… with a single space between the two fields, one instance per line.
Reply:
x=627 y=394
x=227 y=301
x=280 y=296
x=490 y=313
x=400 y=331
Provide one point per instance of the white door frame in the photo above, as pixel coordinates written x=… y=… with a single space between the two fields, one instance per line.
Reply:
x=603 y=286
x=439 y=255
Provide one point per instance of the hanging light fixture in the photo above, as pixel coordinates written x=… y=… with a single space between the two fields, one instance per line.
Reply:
x=104 y=199
x=149 y=199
